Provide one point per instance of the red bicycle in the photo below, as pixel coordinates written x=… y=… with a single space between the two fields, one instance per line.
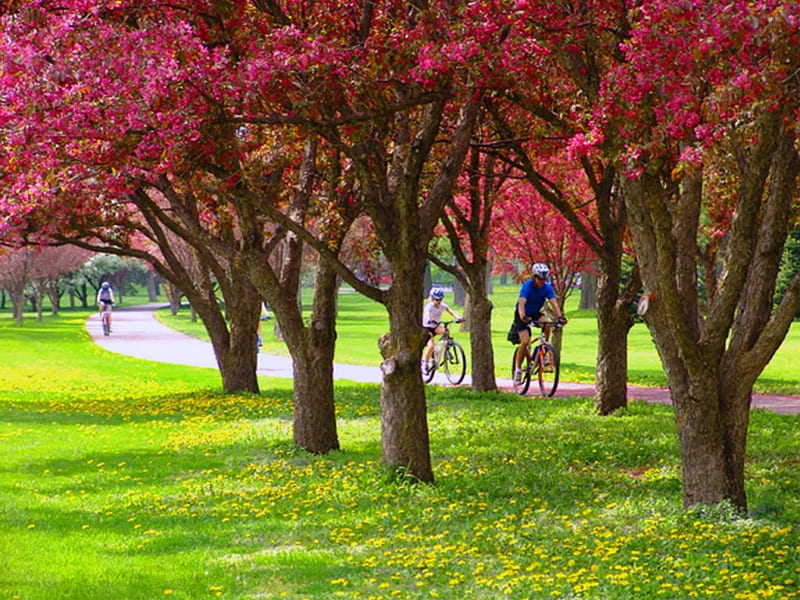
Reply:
x=541 y=361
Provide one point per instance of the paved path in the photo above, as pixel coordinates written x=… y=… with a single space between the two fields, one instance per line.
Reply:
x=137 y=333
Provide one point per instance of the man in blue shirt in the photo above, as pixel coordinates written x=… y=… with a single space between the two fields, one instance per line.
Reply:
x=533 y=296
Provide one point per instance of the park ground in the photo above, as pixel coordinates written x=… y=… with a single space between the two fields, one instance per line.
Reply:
x=135 y=479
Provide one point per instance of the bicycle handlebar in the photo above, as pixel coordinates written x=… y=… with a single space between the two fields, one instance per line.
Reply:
x=556 y=324
x=446 y=323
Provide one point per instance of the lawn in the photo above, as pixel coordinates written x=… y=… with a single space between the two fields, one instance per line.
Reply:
x=361 y=322
x=124 y=479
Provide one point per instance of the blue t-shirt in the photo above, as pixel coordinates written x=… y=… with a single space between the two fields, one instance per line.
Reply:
x=535 y=296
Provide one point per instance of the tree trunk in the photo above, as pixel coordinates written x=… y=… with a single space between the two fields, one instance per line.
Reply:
x=174 y=297
x=17 y=304
x=237 y=362
x=152 y=287
x=611 y=389
x=234 y=348
x=39 y=303
x=480 y=335
x=613 y=323
x=314 y=408
x=712 y=362
x=314 y=417
x=55 y=299
x=404 y=419
x=588 y=291
x=712 y=423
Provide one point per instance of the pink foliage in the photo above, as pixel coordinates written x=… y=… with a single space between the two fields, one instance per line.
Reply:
x=527 y=229
x=100 y=98
x=699 y=65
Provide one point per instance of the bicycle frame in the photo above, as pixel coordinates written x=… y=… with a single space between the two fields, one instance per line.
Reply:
x=105 y=319
x=447 y=355
x=542 y=361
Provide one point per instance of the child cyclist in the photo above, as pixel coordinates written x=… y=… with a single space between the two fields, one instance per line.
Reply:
x=431 y=321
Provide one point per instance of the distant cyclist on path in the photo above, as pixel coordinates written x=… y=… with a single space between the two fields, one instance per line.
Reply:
x=533 y=296
x=105 y=299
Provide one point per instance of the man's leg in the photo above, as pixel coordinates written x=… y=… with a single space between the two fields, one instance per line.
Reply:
x=524 y=341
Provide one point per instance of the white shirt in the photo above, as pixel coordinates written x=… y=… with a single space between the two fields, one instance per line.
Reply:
x=110 y=295
x=432 y=313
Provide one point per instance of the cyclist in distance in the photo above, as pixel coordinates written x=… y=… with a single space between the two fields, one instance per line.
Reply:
x=431 y=317
x=533 y=295
x=105 y=298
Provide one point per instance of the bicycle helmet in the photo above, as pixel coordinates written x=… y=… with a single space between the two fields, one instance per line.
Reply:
x=541 y=271
x=437 y=293
x=105 y=285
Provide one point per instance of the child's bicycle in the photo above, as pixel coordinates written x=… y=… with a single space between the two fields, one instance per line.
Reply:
x=105 y=318
x=449 y=356
x=542 y=361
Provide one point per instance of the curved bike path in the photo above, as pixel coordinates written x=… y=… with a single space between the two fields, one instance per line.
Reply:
x=137 y=333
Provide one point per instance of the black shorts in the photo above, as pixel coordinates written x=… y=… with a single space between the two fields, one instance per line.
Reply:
x=520 y=325
x=431 y=330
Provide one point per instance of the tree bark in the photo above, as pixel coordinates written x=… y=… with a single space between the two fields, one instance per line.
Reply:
x=613 y=324
x=152 y=287
x=588 y=291
x=314 y=410
x=468 y=231
x=712 y=361
x=404 y=414
x=611 y=389
x=17 y=303
x=234 y=348
x=480 y=317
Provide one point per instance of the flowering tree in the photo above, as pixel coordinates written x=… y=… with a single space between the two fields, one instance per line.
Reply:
x=467 y=225
x=36 y=271
x=547 y=118
x=704 y=75
x=50 y=266
x=97 y=146
x=396 y=88
x=128 y=120
x=120 y=136
x=15 y=275
x=527 y=229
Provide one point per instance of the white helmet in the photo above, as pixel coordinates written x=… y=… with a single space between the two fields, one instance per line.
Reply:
x=541 y=271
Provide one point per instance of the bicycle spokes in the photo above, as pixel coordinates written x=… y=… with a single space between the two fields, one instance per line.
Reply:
x=523 y=381
x=455 y=363
x=547 y=368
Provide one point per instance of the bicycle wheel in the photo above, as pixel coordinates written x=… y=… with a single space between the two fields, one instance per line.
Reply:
x=521 y=388
x=106 y=327
x=455 y=363
x=547 y=367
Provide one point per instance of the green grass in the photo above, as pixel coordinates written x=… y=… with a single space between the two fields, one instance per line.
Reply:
x=124 y=479
x=361 y=322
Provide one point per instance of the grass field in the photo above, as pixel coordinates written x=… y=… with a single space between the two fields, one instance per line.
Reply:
x=124 y=479
x=361 y=322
